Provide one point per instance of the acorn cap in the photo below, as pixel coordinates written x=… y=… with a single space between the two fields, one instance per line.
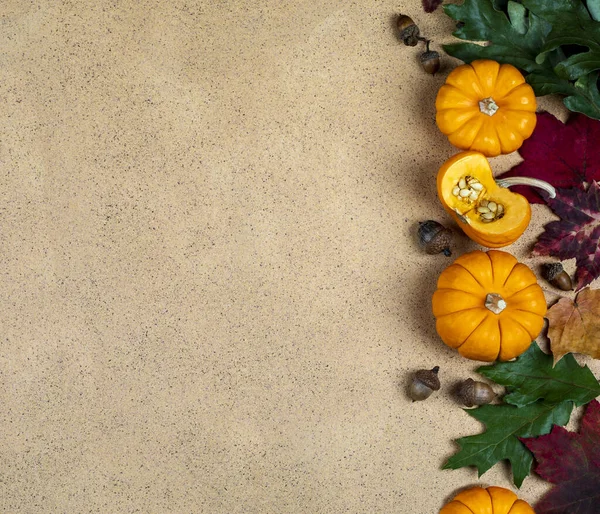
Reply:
x=472 y=393
x=409 y=31
x=465 y=392
x=555 y=274
x=440 y=243
x=435 y=238
x=429 y=377
x=551 y=270
x=430 y=61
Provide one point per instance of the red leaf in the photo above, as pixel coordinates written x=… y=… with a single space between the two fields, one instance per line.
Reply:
x=571 y=461
x=431 y=5
x=576 y=234
x=563 y=155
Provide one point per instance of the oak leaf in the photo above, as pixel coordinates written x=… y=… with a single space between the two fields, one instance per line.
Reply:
x=532 y=377
x=574 y=326
x=571 y=461
x=505 y=424
x=577 y=233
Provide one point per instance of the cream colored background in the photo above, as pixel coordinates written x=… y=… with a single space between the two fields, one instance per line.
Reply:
x=212 y=295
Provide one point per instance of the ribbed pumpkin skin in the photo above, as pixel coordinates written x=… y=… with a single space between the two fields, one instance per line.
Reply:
x=458 y=113
x=465 y=323
x=493 y=500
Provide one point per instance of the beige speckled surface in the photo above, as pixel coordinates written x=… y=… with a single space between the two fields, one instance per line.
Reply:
x=212 y=296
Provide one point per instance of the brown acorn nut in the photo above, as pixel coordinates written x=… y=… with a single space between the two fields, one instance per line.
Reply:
x=409 y=32
x=430 y=60
x=424 y=382
x=435 y=238
x=555 y=274
x=472 y=393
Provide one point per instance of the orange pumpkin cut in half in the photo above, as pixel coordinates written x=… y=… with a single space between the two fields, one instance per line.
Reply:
x=472 y=169
x=488 y=306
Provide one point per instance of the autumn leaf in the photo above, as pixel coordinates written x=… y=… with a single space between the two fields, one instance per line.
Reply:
x=532 y=376
x=504 y=425
x=574 y=326
x=571 y=461
x=539 y=396
x=431 y=5
x=565 y=155
x=576 y=234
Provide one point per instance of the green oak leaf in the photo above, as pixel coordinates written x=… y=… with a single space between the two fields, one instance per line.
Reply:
x=532 y=377
x=571 y=25
x=594 y=8
x=504 y=425
x=508 y=43
x=556 y=43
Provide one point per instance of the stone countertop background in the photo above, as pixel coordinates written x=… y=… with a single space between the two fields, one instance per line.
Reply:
x=212 y=293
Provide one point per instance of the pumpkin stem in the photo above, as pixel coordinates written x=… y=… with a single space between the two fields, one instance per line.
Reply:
x=488 y=106
x=495 y=303
x=527 y=181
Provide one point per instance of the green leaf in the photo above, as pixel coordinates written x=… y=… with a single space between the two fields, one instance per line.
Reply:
x=551 y=9
x=547 y=83
x=573 y=28
x=578 y=65
x=555 y=42
x=482 y=22
x=594 y=8
x=532 y=377
x=517 y=14
x=504 y=425
x=587 y=101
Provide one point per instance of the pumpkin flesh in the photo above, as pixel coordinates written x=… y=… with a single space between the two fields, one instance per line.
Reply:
x=497 y=233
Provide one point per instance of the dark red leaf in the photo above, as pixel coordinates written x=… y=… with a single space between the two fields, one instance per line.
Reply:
x=431 y=5
x=571 y=461
x=565 y=155
x=576 y=234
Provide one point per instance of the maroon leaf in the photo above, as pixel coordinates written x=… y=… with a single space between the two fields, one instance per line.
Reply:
x=571 y=461
x=431 y=5
x=565 y=155
x=576 y=234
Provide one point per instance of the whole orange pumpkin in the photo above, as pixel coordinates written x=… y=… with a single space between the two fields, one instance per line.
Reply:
x=487 y=107
x=488 y=306
x=496 y=500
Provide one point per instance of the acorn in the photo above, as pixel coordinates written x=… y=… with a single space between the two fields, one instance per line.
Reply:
x=409 y=32
x=435 y=238
x=424 y=383
x=430 y=60
x=472 y=393
x=555 y=274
